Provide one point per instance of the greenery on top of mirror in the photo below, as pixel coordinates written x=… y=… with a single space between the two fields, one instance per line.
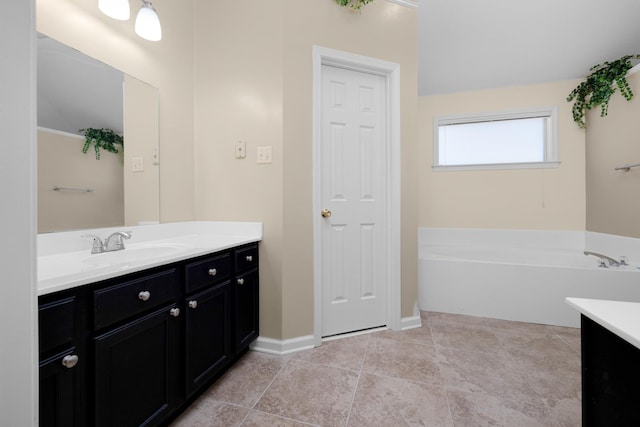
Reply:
x=101 y=138
x=353 y=4
x=598 y=87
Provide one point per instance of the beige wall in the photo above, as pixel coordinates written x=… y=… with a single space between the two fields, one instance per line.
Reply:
x=526 y=198
x=167 y=65
x=62 y=163
x=254 y=83
x=141 y=189
x=248 y=77
x=613 y=205
x=383 y=30
x=238 y=86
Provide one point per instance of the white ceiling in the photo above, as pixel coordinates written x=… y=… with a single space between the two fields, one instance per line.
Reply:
x=76 y=91
x=476 y=44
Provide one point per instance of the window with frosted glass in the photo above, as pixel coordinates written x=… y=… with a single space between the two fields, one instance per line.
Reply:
x=525 y=138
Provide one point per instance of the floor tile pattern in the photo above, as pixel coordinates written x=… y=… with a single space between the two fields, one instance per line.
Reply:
x=455 y=370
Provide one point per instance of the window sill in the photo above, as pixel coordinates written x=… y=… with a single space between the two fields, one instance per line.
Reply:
x=406 y=3
x=497 y=166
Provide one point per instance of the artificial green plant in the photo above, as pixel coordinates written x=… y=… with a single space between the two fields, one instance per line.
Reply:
x=598 y=87
x=101 y=138
x=353 y=4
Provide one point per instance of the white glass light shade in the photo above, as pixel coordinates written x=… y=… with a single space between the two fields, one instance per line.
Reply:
x=148 y=24
x=116 y=9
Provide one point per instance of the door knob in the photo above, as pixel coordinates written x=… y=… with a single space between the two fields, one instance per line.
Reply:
x=70 y=361
x=326 y=213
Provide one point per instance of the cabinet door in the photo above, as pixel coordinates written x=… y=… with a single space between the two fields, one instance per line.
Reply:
x=59 y=391
x=246 y=309
x=136 y=369
x=208 y=334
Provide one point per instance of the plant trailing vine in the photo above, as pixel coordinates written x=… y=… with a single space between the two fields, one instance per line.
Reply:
x=353 y=4
x=101 y=138
x=598 y=87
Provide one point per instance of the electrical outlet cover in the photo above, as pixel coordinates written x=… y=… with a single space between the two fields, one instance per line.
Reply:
x=137 y=164
x=264 y=155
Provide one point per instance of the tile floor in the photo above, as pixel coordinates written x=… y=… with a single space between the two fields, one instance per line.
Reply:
x=453 y=371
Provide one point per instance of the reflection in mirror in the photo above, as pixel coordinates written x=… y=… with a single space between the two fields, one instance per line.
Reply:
x=75 y=190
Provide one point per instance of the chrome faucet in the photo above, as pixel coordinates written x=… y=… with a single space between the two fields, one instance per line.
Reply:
x=112 y=243
x=604 y=259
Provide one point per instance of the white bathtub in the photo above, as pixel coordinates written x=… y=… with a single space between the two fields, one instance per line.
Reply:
x=522 y=275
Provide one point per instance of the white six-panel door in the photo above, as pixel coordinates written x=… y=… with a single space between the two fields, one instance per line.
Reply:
x=353 y=191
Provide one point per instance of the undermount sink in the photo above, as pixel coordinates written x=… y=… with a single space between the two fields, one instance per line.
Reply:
x=133 y=254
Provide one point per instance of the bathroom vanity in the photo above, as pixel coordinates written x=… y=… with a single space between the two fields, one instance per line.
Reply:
x=610 y=333
x=163 y=319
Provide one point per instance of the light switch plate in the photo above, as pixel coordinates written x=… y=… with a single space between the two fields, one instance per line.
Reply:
x=264 y=155
x=137 y=164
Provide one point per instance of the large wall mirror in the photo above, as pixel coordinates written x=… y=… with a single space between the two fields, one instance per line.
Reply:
x=76 y=190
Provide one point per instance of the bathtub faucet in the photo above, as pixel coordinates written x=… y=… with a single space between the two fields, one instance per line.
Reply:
x=604 y=259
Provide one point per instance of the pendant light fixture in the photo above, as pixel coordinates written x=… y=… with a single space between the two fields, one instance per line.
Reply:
x=147 y=23
x=116 y=9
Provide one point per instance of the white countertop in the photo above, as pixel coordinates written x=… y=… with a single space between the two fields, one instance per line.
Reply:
x=65 y=260
x=620 y=317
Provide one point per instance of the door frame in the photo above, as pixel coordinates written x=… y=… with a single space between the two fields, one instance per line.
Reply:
x=391 y=72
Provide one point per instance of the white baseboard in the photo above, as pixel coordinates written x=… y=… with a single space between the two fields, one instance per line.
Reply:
x=282 y=347
x=410 y=323
x=293 y=345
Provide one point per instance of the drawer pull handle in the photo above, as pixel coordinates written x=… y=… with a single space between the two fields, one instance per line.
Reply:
x=240 y=281
x=249 y=258
x=70 y=361
x=175 y=312
x=213 y=272
x=144 y=295
x=193 y=304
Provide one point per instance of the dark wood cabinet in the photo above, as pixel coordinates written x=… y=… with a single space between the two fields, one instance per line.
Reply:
x=136 y=370
x=60 y=391
x=246 y=296
x=62 y=362
x=610 y=377
x=135 y=350
x=208 y=346
x=246 y=309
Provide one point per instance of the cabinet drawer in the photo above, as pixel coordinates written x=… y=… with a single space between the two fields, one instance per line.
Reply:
x=246 y=258
x=207 y=271
x=57 y=323
x=124 y=300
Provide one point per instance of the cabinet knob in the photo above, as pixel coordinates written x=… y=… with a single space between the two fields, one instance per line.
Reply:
x=213 y=272
x=70 y=361
x=175 y=312
x=241 y=281
x=193 y=304
x=144 y=295
x=249 y=258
